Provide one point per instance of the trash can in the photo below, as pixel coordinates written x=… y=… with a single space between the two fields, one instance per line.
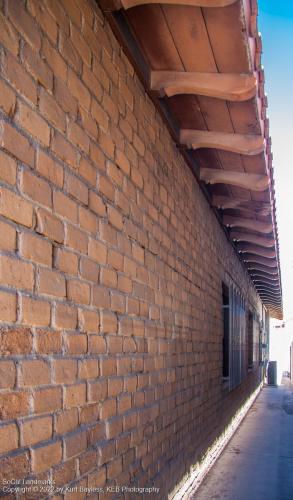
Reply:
x=272 y=373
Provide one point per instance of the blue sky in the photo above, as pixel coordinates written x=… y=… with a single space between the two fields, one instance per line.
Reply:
x=276 y=26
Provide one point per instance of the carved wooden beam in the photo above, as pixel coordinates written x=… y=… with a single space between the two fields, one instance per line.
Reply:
x=260 y=260
x=265 y=282
x=110 y=5
x=229 y=86
x=262 y=275
x=225 y=202
x=252 y=238
x=254 y=182
x=255 y=225
x=248 y=248
x=236 y=143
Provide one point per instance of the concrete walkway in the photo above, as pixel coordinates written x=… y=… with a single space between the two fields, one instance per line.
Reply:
x=257 y=463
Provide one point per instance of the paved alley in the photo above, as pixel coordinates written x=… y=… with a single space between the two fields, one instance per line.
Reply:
x=258 y=461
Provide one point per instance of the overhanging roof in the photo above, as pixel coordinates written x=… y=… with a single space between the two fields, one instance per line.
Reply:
x=200 y=61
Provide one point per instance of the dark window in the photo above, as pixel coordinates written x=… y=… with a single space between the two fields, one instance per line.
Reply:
x=226 y=330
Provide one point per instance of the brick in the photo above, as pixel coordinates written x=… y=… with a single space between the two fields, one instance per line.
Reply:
x=54 y=60
x=78 y=90
x=115 y=174
x=76 y=239
x=115 y=386
x=66 y=261
x=65 y=317
x=16 y=466
x=36 y=249
x=88 y=221
x=75 y=395
x=49 y=168
x=115 y=218
x=75 y=444
x=124 y=403
x=118 y=303
x=35 y=65
x=97 y=390
x=97 y=251
x=78 y=137
x=65 y=371
x=50 y=226
x=122 y=161
x=52 y=111
x=36 y=430
x=101 y=297
x=97 y=479
x=51 y=283
x=7 y=306
x=35 y=312
x=47 y=400
x=115 y=260
x=7 y=169
x=88 y=171
x=44 y=457
x=114 y=468
x=8 y=438
x=48 y=342
x=78 y=292
x=97 y=344
x=16 y=273
x=64 y=474
x=15 y=208
x=64 y=150
x=66 y=421
x=20 y=79
x=109 y=322
x=16 y=144
x=7 y=99
x=43 y=18
x=64 y=98
x=108 y=278
x=114 y=344
x=88 y=368
x=97 y=156
x=108 y=367
x=76 y=343
x=14 y=405
x=33 y=123
x=15 y=340
x=124 y=284
x=106 y=188
x=24 y=24
x=92 y=83
x=7 y=237
x=36 y=188
x=65 y=207
x=108 y=409
x=80 y=45
x=96 y=204
x=100 y=115
x=7 y=374
x=77 y=189
x=89 y=321
x=8 y=35
x=88 y=461
x=34 y=372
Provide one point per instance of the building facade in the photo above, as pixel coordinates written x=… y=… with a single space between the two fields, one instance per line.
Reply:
x=130 y=327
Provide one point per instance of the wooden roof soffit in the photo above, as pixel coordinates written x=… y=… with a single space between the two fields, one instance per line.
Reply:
x=252 y=238
x=110 y=5
x=257 y=250
x=236 y=143
x=254 y=182
x=255 y=225
x=225 y=202
x=255 y=275
x=228 y=86
x=274 y=286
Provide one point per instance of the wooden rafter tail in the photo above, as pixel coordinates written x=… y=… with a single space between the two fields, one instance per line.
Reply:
x=228 y=86
x=255 y=225
x=226 y=202
x=266 y=282
x=265 y=289
x=254 y=182
x=252 y=238
x=110 y=5
x=260 y=260
x=257 y=250
x=260 y=275
x=236 y=143
x=253 y=266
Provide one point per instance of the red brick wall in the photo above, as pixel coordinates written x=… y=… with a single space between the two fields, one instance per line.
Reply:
x=111 y=266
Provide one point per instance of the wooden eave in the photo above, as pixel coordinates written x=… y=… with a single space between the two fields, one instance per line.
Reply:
x=200 y=61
